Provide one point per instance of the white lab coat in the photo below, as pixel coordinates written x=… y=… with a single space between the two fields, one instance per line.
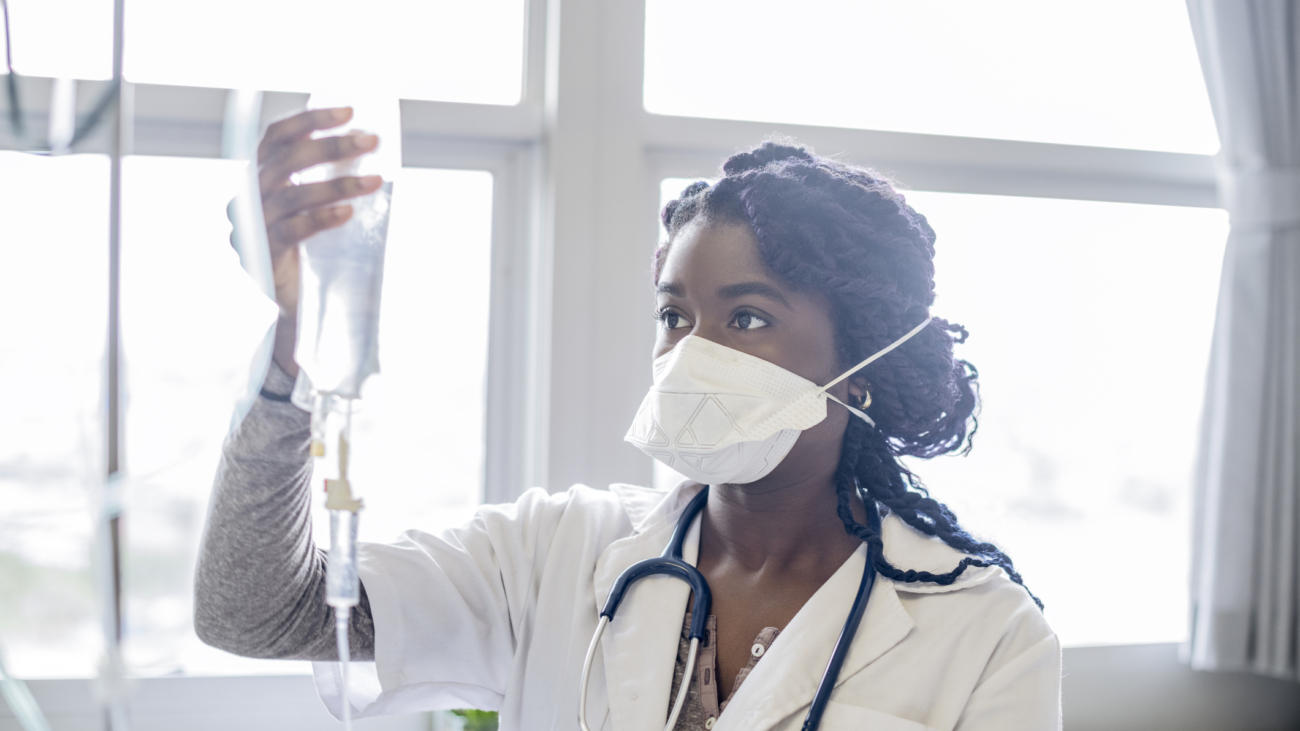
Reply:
x=498 y=615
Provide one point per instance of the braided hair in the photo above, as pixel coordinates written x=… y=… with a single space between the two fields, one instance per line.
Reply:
x=847 y=233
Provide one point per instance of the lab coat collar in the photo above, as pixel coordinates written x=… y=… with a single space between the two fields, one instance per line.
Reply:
x=905 y=547
x=647 y=506
x=908 y=548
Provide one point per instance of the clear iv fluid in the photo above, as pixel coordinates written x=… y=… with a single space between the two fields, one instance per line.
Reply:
x=342 y=584
x=342 y=272
x=343 y=591
x=341 y=269
x=331 y=445
x=331 y=441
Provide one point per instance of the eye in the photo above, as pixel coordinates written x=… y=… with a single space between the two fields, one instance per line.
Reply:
x=746 y=320
x=670 y=320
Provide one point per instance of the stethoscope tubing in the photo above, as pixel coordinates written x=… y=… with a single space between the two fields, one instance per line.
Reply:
x=841 y=651
x=670 y=563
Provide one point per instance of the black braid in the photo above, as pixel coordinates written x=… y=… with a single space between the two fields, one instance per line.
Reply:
x=848 y=234
x=868 y=467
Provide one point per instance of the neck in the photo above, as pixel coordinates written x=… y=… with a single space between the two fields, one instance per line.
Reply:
x=781 y=526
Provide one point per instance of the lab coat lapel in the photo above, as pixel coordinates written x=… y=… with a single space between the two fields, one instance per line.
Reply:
x=640 y=644
x=785 y=680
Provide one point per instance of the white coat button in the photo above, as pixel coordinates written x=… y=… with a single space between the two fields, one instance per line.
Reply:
x=709 y=723
x=757 y=650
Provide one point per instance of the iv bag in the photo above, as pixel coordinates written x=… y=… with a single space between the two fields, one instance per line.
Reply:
x=341 y=269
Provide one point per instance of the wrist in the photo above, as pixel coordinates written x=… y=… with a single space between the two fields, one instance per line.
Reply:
x=286 y=340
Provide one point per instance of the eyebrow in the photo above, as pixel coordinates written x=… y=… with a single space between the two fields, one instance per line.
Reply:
x=732 y=291
x=668 y=288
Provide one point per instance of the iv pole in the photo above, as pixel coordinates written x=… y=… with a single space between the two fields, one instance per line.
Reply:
x=113 y=691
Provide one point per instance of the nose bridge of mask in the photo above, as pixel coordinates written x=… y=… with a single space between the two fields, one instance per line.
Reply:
x=697 y=362
x=732 y=396
x=771 y=397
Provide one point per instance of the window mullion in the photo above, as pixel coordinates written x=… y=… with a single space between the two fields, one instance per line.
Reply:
x=692 y=146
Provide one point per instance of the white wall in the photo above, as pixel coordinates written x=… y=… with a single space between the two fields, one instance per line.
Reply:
x=1147 y=688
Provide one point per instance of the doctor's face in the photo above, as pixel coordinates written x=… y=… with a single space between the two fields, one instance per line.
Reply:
x=713 y=285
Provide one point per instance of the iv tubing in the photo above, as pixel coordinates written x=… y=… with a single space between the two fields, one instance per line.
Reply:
x=343 y=588
x=345 y=657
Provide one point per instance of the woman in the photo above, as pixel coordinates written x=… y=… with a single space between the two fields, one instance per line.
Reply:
x=793 y=265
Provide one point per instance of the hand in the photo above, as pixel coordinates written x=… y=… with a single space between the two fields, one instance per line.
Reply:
x=295 y=212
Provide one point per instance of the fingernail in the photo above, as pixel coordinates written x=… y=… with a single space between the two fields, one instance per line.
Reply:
x=371 y=181
x=342 y=113
x=365 y=142
x=341 y=211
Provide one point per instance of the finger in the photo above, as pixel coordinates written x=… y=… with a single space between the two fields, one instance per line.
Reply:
x=290 y=159
x=299 y=126
x=295 y=199
x=295 y=229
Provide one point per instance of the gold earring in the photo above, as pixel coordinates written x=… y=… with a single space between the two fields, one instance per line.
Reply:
x=863 y=401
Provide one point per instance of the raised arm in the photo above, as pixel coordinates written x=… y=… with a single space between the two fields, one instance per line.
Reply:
x=259 y=588
x=260 y=581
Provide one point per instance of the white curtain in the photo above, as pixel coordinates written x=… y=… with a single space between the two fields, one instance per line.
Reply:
x=1246 y=553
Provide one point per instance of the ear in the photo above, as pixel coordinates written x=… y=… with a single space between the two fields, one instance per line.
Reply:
x=858 y=388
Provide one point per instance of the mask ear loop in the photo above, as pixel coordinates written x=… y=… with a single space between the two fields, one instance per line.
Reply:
x=853 y=410
x=883 y=352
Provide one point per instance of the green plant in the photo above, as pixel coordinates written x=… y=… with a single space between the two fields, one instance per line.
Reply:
x=478 y=720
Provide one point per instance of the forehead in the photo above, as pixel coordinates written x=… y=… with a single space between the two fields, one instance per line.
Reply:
x=706 y=252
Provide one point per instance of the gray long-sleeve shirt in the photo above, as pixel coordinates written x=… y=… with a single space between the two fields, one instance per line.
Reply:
x=259 y=587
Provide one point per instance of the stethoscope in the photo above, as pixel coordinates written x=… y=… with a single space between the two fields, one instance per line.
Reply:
x=670 y=563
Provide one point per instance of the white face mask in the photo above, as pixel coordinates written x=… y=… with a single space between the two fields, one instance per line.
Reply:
x=718 y=415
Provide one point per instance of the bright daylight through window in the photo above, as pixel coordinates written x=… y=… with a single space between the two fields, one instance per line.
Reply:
x=463 y=52
x=192 y=320
x=1108 y=73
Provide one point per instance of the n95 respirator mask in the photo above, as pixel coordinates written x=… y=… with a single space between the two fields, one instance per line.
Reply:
x=718 y=415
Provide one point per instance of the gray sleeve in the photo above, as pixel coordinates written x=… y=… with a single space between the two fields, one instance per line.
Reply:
x=259 y=587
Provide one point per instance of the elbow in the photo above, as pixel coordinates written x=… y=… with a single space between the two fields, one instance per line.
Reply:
x=207 y=632
x=211 y=623
x=217 y=624
x=215 y=629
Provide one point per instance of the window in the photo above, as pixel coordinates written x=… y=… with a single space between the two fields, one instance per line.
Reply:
x=1107 y=74
x=464 y=52
x=1090 y=325
x=191 y=321
x=46 y=44
x=53 y=294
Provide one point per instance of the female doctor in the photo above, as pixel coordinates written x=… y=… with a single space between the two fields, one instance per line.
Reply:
x=774 y=282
